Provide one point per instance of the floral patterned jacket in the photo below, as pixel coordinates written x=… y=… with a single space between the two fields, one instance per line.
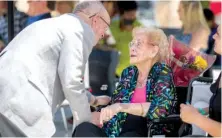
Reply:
x=160 y=91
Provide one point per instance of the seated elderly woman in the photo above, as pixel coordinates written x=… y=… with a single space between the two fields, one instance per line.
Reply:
x=191 y=115
x=145 y=90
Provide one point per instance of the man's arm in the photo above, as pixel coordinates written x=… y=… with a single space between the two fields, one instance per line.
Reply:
x=70 y=72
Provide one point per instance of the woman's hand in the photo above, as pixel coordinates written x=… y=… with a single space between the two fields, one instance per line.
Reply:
x=188 y=113
x=108 y=112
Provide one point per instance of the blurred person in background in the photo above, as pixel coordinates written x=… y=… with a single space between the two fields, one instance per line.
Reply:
x=194 y=26
x=38 y=10
x=65 y=6
x=110 y=7
x=191 y=115
x=165 y=13
x=62 y=7
x=109 y=40
x=2 y=45
x=19 y=22
x=209 y=16
x=122 y=31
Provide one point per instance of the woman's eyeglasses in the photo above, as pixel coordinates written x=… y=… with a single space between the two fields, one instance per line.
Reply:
x=138 y=44
x=135 y=43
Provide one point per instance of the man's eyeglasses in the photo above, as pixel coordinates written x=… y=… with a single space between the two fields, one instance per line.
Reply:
x=99 y=17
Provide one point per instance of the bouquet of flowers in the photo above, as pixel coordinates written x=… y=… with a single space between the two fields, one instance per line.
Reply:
x=187 y=63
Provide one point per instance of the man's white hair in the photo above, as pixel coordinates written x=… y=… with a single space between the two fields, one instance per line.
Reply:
x=89 y=7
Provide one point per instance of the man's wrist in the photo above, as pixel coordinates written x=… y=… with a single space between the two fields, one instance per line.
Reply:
x=94 y=101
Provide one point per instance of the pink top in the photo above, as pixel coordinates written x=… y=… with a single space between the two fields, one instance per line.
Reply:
x=139 y=95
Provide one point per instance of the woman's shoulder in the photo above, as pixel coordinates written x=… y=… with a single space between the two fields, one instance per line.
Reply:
x=159 y=67
x=129 y=71
x=202 y=31
x=162 y=72
x=130 y=68
x=200 y=38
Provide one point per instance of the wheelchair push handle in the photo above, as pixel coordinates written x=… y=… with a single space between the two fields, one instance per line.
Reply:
x=199 y=79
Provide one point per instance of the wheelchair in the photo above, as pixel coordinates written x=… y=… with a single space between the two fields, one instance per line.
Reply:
x=172 y=125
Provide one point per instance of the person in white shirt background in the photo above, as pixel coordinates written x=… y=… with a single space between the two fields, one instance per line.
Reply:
x=44 y=65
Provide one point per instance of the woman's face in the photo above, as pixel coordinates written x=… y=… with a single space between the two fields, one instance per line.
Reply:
x=180 y=11
x=141 y=50
x=217 y=43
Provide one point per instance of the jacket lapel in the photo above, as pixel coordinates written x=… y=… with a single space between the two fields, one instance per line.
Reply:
x=151 y=81
x=131 y=81
x=130 y=84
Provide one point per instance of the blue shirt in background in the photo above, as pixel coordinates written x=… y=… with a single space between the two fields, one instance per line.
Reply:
x=33 y=19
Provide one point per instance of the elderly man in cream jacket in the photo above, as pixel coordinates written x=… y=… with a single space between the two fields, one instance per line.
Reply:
x=43 y=65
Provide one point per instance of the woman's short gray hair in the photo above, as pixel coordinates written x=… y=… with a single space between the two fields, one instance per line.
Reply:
x=156 y=37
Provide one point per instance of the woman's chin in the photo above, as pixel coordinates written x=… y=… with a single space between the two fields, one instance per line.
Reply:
x=133 y=62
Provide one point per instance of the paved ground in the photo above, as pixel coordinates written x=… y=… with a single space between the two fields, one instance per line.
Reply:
x=60 y=129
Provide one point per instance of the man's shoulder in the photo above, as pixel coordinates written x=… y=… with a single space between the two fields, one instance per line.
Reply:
x=73 y=23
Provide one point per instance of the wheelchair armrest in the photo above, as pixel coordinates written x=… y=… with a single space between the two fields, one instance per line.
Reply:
x=169 y=119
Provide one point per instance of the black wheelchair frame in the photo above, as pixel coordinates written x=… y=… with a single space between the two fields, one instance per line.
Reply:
x=180 y=128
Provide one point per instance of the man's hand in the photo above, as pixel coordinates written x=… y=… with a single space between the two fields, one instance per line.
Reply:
x=108 y=112
x=95 y=118
x=100 y=100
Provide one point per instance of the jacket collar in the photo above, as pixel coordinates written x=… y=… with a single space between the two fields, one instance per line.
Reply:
x=131 y=79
